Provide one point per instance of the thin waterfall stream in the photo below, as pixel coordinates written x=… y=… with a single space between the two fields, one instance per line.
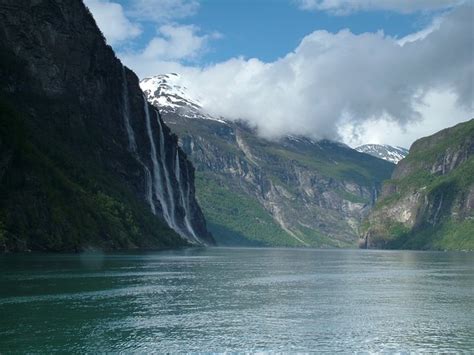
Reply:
x=132 y=144
x=184 y=203
x=157 y=178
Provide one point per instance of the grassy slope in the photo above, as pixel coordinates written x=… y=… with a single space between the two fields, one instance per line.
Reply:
x=448 y=234
x=235 y=217
x=350 y=165
x=50 y=200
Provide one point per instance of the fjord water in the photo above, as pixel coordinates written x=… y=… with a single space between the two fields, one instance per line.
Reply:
x=238 y=299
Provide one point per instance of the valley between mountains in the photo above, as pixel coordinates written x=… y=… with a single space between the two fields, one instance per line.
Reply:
x=92 y=158
x=294 y=191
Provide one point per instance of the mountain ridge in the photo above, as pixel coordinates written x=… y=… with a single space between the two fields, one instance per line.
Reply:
x=301 y=192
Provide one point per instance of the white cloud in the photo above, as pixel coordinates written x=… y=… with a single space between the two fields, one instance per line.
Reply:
x=173 y=44
x=334 y=79
x=344 y=7
x=361 y=88
x=423 y=33
x=438 y=111
x=163 y=11
x=176 y=42
x=112 y=21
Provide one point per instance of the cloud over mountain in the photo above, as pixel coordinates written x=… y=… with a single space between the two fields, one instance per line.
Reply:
x=332 y=79
x=336 y=85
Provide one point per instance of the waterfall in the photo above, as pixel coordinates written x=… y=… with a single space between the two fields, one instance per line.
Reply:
x=169 y=188
x=157 y=178
x=148 y=188
x=154 y=180
x=132 y=143
x=184 y=203
x=188 y=205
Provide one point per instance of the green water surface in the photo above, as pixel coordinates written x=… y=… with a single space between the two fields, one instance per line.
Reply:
x=220 y=299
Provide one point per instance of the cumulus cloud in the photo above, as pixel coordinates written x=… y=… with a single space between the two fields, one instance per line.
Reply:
x=438 y=110
x=111 y=19
x=333 y=85
x=344 y=7
x=176 y=42
x=119 y=24
x=172 y=45
x=331 y=79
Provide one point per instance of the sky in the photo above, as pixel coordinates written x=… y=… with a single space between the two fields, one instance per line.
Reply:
x=357 y=71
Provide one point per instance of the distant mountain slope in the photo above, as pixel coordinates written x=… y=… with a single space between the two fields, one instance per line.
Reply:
x=429 y=202
x=291 y=192
x=384 y=151
x=85 y=161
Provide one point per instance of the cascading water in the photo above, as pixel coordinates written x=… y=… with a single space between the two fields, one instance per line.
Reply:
x=157 y=178
x=132 y=144
x=148 y=188
x=169 y=188
x=184 y=203
x=154 y=180
x=188 y=204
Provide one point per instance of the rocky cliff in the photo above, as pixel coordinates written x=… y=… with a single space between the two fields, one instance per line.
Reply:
x=429 y=202
x=289 y=192
x=85 y=161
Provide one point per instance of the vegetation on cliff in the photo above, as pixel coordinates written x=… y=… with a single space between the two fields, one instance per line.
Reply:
x=76 y=135
x=288 y=192
x=429 y=202
x=51 y=200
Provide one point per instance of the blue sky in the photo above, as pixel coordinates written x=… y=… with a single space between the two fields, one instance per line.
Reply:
x=269 y=29
x=276 y=27
x=360 y=71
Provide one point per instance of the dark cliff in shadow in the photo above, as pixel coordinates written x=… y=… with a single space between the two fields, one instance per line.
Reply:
x=85 y=161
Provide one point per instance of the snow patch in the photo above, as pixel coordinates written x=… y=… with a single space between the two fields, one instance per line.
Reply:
x=384 y=151
x=166 y=92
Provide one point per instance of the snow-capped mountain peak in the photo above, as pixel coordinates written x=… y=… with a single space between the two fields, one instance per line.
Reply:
x=384 y=151
x=170 y=95
x=168 y=91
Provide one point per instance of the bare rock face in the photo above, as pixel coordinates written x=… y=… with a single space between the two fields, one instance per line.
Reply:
x=85 y=113
x=293 y=191
x=428 y=202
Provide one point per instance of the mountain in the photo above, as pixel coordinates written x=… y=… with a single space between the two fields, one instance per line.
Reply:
x=85 y=161
x=384 y=151
x=291 y=192
x=171 y=97
x=429 y=201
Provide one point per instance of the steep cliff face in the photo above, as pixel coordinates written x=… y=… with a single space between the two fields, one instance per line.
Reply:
x=85 y=160
x=429 y=202
x=291 y=192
